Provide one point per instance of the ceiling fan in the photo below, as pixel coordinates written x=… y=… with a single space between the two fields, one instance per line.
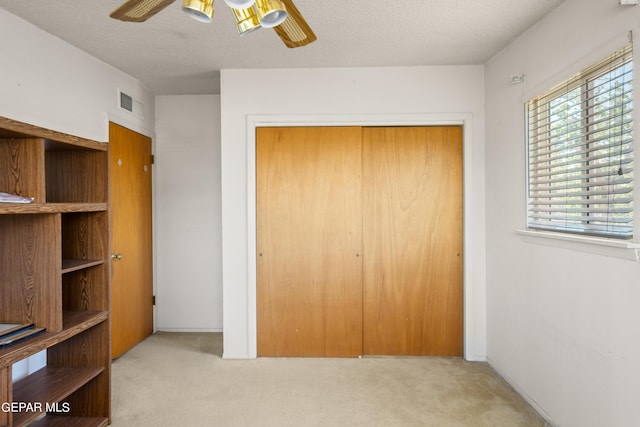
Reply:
x=281 y=15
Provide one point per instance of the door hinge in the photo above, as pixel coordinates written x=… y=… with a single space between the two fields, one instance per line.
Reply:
x=153 y=300
x=153 y=159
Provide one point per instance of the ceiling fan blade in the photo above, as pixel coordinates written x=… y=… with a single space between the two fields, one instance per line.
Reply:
x=294 y=31
x=139 y=10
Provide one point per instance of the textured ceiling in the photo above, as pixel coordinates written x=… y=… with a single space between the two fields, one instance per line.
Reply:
x=173 y=54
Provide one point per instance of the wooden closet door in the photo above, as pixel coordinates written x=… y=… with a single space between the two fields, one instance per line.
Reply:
x=412 y=222
x=309 y=237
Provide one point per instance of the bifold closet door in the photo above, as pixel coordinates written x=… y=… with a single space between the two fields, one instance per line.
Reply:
x=412 y=219
x=309 y=240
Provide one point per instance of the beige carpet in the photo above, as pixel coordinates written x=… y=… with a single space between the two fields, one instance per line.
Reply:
x=179 y=379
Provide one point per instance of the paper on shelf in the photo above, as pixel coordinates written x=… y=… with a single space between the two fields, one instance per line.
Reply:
x=14 y=198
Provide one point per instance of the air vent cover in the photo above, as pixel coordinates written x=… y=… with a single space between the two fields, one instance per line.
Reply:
x=132 y=105
x=126 y=102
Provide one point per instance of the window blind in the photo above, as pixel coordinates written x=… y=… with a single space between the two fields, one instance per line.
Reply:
x=580 y=152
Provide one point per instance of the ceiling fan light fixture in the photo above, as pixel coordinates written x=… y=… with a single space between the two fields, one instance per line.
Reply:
x=246 y=20
x=239 y=4
x=271 y=12
x=139 y=10
x=200 y=10
x=295 y=31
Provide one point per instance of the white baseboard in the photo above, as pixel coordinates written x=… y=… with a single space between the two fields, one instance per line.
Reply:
x=189 y=330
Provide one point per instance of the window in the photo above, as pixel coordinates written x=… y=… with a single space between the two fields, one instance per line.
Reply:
x=580 y=152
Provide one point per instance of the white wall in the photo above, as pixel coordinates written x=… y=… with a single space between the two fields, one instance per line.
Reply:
x=562 y=317
x=187 y=214
x=404 y=95
x=47 y=82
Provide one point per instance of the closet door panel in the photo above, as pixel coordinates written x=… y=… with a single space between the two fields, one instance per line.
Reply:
x=412 y=219
x=309 y=240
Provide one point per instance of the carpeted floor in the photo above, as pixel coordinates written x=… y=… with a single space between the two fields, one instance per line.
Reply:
x=180 y=379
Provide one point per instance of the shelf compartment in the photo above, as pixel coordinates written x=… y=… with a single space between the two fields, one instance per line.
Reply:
x=49 y=385
x=22 y=165
x=81 y=292
x=85 y=235
x=91 y=348
x=85 y=239
x=30 y=270
x=75 y=176
x=74 y=322
x=71 y=265
x=64 y=421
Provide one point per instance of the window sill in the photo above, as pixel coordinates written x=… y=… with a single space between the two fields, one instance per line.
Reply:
x=600 y=246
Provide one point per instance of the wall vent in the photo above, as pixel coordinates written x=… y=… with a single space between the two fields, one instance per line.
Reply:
x=130 y=104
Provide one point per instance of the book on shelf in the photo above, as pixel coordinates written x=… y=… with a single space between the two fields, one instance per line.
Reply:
x=14 y=198
x=13 y=333
x=7 y=328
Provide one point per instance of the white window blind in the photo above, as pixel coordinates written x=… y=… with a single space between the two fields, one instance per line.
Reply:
x=580 y=157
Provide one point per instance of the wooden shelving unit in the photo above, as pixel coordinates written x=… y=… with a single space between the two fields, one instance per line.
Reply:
x=54 y=272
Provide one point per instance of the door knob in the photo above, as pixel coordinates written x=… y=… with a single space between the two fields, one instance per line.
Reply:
x=116 y=256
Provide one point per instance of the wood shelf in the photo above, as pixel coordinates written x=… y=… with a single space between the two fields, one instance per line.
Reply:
x=64 y=421
x=70 y=265
x=74 y=322
x=13 y=129
x=43 y=208
x=49 y=385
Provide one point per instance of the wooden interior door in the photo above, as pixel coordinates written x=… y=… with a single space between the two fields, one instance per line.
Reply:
x=412 y=219
x=309 y=237
x=131 y=238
